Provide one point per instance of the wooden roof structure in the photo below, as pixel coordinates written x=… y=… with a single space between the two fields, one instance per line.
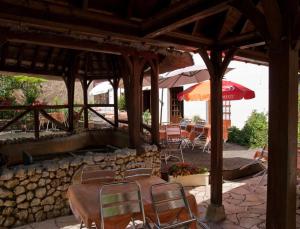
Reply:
x=80 y=37
x=47 y=28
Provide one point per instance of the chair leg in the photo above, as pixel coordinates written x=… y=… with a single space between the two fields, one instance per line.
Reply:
x=81 y=225
x=181 y=155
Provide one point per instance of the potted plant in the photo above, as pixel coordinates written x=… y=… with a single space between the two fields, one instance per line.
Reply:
x=188 y=175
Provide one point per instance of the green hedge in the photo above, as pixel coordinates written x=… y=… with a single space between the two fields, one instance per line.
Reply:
x=253 y=134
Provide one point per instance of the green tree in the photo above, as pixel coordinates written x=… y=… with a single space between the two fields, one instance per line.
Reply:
x=254 y=133
x=31 y=87
x=122 y=103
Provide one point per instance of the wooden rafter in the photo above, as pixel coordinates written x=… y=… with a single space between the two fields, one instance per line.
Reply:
x=248 y=8
x=61 y=15
x=35 y=56
x=4 y=48
x=48 y=58
x=247 y=39
x=20 y=55
x=176 y=17
x=273 y=19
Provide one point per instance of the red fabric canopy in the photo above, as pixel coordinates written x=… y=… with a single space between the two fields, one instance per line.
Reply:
x=230 y=91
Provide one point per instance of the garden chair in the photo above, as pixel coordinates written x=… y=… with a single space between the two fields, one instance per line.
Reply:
x=137 y=173
x=168 y=197
x=196 y=139
x=122 y=199
x=94 y=174
x=173 y=143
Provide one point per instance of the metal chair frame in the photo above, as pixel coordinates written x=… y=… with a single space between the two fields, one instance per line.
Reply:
x=137 y=173
x=173 y=139
x=121 y=203
x=202 y=138
x=172 y=199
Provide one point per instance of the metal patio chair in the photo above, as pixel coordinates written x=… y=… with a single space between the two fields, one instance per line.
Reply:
x=94 y=174
x=171 y=196
x=173 y=148
x=120 y=199
x=137 y=173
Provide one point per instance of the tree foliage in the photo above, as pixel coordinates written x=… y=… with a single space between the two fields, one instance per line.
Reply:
x=30 y=86
x=254 y=133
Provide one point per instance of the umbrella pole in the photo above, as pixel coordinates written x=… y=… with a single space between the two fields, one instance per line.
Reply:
x=161 y=105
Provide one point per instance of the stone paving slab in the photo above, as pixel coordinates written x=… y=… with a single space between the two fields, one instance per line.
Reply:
x=244 y=202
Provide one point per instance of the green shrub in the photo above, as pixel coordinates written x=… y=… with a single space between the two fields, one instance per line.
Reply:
x=196 y=118
x=234 y=135
x=122 y=103
x=147 y=117
x=254 y=133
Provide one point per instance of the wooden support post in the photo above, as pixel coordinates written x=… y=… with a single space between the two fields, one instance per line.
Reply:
x=116 y=110
x=216 y=168
x=154 y=102
x=36 y=123
x=283 y=90
x=216 y=67
x=132 y=83
x=70 y=84
x=84 y=84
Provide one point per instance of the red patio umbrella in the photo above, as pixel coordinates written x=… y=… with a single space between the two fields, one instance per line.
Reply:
x=230 y=91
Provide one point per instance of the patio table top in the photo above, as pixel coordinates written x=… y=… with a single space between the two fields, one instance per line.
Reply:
x=85 y=204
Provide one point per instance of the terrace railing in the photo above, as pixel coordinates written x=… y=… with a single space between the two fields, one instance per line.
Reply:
x=43 y=110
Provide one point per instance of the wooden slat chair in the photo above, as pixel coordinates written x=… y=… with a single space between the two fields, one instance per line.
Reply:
x=122 y=199
x=94 y=174
x=173 y=143
x=137 y=173
x=167 y=197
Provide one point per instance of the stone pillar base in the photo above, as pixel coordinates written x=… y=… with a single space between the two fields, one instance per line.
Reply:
x=215 y=213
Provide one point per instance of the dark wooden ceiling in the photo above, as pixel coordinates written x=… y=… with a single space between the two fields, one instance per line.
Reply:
x=44 y=33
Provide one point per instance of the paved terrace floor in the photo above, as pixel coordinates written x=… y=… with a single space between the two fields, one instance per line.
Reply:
x=244 y=201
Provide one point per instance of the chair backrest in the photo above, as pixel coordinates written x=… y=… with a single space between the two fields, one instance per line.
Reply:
x=173 y=131
x=137 y=173
x=170 y=196
x=192 y=135
x=94 y=174
x=122 y=198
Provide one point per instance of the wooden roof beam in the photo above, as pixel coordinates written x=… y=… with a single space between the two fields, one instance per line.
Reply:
x=66 y=42
x=180 y=15
x=193 y=38
x=34 y=71
x=63 y=14
x=253 y=56
x=246 y=39
x=248 y=8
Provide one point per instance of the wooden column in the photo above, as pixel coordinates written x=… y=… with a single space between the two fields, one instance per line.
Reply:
x=70 y=84
x=115 y=85
x=154 y=102
x=216 y=130
x=85 y=85
x=132 y=83
x=216 y=67
x=283 y=91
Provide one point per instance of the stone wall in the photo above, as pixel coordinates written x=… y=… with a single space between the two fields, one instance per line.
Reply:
x=38 y=192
